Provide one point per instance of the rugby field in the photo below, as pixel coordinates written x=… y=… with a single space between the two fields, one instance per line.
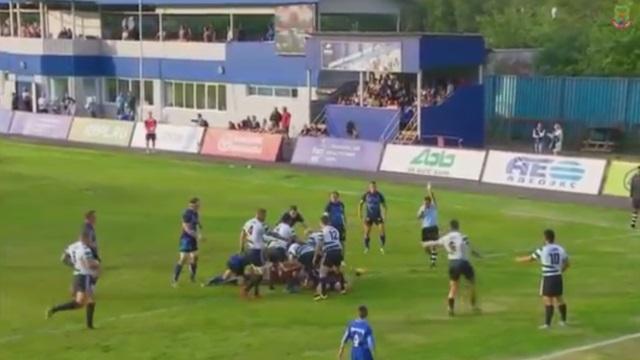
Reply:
x=139 y=198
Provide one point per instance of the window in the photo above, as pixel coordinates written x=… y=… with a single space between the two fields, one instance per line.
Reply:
x=58 y=88
x=255 y=90
x=201 y=96
x=114 y=87
x=90 y=87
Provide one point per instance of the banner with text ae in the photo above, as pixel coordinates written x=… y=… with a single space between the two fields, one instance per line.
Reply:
x=432 y=161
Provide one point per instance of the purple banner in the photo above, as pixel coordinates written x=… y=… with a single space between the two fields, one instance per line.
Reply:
x=338 y=153
x=5 y=121
x=40 y=125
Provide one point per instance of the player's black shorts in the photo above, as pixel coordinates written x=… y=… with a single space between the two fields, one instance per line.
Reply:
x=83 y=283
x=430 y=233
x=635 y=203
x=551 y=286
x=151 y=137
x=343 y=233
x=276 y=254
x=373 y=220
x=255 y=257
x=333 y=258
x=306 y=260
x=459 y=268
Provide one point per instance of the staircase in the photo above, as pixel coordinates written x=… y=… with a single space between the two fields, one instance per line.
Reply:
x=409 y=135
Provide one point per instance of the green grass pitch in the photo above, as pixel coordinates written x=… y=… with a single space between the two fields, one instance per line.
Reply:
x=44 y=190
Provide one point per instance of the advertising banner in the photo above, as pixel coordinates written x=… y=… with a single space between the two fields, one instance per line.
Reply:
x=40 y=125
x=362 y=56
x=5 y=120
x=101 y=131
x=171 y=138
x=338 y=153
x=619 y=178
x=558 y=173
x=240 y=144
x=430 y=161
x=293 y=23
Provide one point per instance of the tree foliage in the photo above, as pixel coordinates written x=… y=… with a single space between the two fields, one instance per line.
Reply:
x=578 y=40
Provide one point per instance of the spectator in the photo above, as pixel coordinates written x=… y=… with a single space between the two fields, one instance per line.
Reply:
x=25 y=103
x=352 y=131
x=271 y=33
x=242 y=35
x=200 y=121
x=275 y=118
x=120 y=104
x=230 y=36
x=15 y=101
x=91 y=105
x=126 y=34
x=68 y=104
x=232 y=126
x=255 y=125
x=132 y=105
x=286 y=120
x=557 y=138
x=539 y=134
x=207 y=34
x=43 y=104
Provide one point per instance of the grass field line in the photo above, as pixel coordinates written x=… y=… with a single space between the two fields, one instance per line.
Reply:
x=596 y=345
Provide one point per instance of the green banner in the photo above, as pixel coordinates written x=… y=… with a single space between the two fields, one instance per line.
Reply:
x=101 y=131
x=619 y=178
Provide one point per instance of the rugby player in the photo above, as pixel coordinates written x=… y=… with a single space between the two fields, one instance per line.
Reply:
x=189 y=241
x=634 y=193
x=304 y=255
x=89 y=228
x=428 y=214
x=457 y=246
x=293 y=217
x=329 y=252
x=336 y=211
x=278 y=241
x=376 y=214
x=85 y=271
x=360 y=334
x=555 y=262
x=234 y=272
x=252 y=242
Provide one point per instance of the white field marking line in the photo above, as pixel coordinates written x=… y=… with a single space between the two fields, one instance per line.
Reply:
x=557 y=354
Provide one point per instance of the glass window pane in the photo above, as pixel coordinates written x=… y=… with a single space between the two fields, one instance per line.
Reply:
x=265 y=91
x=123 y=86
x=294 y=93
x=58 y=87
x=189 y=95
x=200 y=96
x=212 y=92
x=148 y=92
x=168 y=94
x=283 y=92
x=222 y=97
x=179 y=90
x=89 y=87
x=135 y=88
x=111 y=90
x=252 y=90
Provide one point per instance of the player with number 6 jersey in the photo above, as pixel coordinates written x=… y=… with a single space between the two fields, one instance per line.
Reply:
x=555 y=262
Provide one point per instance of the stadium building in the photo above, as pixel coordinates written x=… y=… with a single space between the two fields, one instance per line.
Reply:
x=230 y=59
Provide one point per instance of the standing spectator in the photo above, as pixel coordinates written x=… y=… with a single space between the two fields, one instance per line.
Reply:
x=15 y=101
x=25 y=103
x=91 y=105
x=539 y=134
x=286 y=121
x=255 y=124
x=200 y=121
x=132 y=105
x=275 y=118
x=556 y=139
x=229 y=34
x=126 y=34
x=69 y=104
x=352 y=131
x=42 y=104
x=207 y=34
x=120 y=104
x=150 y=125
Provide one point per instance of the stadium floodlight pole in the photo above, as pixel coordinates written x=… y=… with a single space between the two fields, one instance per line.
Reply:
x=140 y=65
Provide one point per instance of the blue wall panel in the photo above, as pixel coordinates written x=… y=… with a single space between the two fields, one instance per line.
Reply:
x=450 y=51
x=544 y=98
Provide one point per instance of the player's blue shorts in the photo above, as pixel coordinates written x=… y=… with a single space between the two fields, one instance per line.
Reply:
x=188 y=245
x=255 y=257
x=361 y=354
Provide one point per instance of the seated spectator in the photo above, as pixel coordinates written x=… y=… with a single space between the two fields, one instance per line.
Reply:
x=232 y=126
x=126 y=34
x=352 y=131
x=200 y=121
x=207 y=34
x=271 y=33
x=255 y=125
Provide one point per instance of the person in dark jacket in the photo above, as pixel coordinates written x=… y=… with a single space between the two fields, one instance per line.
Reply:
x=634 y=193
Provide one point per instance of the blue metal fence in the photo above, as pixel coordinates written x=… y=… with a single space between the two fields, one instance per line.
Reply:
x=586 y=102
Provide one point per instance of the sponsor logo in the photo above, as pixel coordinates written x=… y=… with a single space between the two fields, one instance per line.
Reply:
x=243 y=144
x=549 y=173
x=105 y=131
x=432 y=162
x=621 y=17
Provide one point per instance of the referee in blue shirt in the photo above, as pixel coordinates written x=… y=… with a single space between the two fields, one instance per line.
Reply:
x=428 y=215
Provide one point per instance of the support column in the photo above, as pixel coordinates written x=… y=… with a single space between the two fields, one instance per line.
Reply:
x=161 y=27
x=73 y=20
x=398 y=22
x=140 y=64
x=11 y=23
x=419 y=104
x=232 y=28
x=361 y=88
x=19 y=29
x=41 y=14
x=480 y=74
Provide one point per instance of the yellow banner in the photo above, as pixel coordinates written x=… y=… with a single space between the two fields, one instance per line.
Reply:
x=619 y=178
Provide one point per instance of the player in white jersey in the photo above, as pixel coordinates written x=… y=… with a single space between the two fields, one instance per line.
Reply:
x=278 y=241
x=252 y=243
x=85 y=272
x=555 y=262
x=458 y=248
x=329 y=251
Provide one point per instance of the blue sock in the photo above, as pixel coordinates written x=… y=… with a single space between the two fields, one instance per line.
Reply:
x=176 y=272
x=383 y=240
x=215 y=281
x=366 y=242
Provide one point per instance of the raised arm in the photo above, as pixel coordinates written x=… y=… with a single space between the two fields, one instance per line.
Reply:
x=343 y=342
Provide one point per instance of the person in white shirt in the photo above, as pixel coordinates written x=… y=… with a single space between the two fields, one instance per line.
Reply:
x=86 y=268
x=557 y=137
x=278 y=241
x=458 y=247
x=252 y=242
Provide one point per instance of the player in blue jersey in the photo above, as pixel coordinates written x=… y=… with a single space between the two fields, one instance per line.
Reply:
x=335 y=210
x=428 y=216
x=376 y=211
x=361 y=336
x=235 y=270
x=189 y=239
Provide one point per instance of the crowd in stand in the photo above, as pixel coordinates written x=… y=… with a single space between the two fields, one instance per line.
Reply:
x=27 y=30
x=277 y=123
x=390 y=91
x=126 y=104
x=314 y=130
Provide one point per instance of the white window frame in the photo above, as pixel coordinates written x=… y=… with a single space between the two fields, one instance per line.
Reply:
x=195 y=85
x=105 y=93
x=254 y=90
